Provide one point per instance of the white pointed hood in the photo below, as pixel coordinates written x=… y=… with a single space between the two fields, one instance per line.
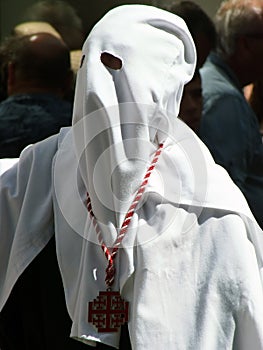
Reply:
x=117 y=112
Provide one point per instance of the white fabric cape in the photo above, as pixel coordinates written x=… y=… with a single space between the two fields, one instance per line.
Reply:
x=190 y=264
x=193 y=283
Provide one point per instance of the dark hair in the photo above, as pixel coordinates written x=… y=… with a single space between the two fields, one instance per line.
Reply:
x=196 y=19
x=46 y=61
x=62 y=16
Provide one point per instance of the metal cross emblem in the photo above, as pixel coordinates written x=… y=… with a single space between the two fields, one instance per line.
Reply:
x=108 y=311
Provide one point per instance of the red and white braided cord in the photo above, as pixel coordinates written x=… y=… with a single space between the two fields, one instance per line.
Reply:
x=110 y=255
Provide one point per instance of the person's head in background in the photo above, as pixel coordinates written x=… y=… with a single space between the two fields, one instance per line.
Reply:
x=204 y=35
x=62 y=16
x=200 y=26
x=26 y=28
x=36 y=63
x=192 y=102
x=239 y=25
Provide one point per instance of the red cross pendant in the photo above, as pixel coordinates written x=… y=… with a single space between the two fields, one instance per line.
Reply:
x=108 y=311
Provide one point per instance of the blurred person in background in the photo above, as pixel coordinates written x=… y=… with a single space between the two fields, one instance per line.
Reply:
x=192 y=103
x=229 y=126
x=31 y=27
x=203 y=32
x=62 y=16
x=200 y=26
x=254 y=95
x=38 y=77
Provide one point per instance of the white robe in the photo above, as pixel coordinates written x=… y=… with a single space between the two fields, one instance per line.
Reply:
x=192 y=280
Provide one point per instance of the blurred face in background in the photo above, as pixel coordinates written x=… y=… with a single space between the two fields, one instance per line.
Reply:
x=192 y=103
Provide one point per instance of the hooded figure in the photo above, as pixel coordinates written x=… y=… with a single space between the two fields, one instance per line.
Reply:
x=141 y=214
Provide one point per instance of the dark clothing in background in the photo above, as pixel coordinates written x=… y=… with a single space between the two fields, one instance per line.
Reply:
x=37 y=303
x=29 y=118
x=230 y=129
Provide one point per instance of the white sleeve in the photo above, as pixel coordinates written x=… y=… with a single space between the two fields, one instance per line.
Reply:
x=26 y=219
